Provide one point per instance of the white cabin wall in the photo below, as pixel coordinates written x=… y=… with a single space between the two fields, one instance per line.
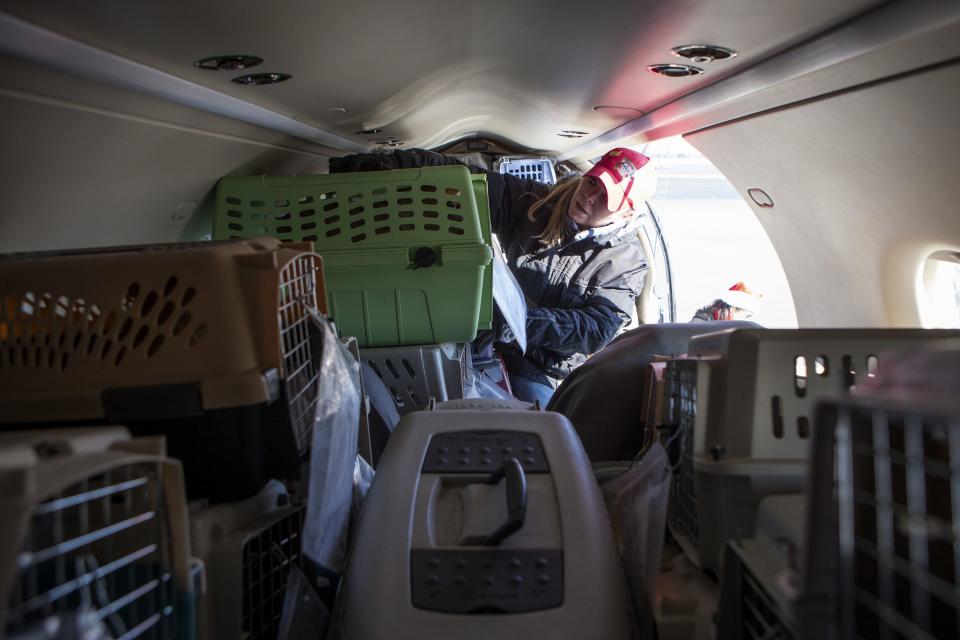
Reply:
x=865 y=187
x=84 y=164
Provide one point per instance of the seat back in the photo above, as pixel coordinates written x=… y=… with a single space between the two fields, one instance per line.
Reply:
x=603 y=398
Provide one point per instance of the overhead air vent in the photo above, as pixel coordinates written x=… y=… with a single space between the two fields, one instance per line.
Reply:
x=369 y=132
x=572 y=133
x=674 y=70
x=703 y=53
x=228 y=63
x=257 y=79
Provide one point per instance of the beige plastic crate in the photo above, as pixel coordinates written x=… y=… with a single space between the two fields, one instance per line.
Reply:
x=79 y=330
x=93 y=519
x=248 y=549
x=744 y=403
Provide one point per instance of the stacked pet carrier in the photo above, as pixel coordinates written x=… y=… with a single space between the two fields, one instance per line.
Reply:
x=210 y=345
x=407 y=258
x=485 y=521
x=883 y=554
x=760 y=574
x=539 y=169
x=95 y=541
x=247 y=547
x=740 y=408
x=213 y=346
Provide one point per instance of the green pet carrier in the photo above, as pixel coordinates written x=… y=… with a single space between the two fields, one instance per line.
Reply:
x=406 y=253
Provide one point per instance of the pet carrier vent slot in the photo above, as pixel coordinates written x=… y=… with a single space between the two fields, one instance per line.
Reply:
x=777 y=419
x=392 y=368
x=48 y=330
x=822 y=366
x=800 y=376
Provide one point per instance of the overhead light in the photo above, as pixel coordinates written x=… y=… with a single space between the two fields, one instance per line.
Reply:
x=228 y=63
x=703 y=53
x=257 y=79
x=674 y=70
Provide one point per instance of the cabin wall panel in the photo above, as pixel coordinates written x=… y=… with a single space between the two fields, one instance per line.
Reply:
x=864 y=185
x=87 y=165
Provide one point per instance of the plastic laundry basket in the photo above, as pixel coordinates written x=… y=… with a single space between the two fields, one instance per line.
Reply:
x=404 y=251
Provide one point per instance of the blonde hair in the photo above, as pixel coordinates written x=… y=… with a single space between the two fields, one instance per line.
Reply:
x=558 y=202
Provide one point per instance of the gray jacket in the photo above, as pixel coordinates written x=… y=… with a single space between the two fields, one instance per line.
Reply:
x=579 y=294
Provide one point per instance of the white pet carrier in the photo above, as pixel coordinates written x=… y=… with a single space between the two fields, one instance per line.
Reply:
x=248 y=548
x=94 y=534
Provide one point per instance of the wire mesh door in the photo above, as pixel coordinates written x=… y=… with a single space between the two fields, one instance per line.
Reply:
x=897 y=500
x=99 y=548
x=268 y=559
x=300 y=343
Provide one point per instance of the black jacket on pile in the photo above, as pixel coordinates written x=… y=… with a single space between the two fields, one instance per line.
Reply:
x=579 y=293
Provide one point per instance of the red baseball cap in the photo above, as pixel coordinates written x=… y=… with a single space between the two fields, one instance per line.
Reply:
x=740 y=295
x=617 y=169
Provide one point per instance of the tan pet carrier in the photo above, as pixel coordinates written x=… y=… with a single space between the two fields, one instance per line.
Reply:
x=94 y=534
x=210 y=344
x=741 y=410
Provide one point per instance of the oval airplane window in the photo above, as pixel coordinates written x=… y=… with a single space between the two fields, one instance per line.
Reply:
x=714 y=239
x=940 y=291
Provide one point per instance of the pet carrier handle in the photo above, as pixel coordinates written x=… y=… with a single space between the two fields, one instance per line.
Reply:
x=516 y=487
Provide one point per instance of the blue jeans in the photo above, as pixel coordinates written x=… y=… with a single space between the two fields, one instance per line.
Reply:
x=531 y=391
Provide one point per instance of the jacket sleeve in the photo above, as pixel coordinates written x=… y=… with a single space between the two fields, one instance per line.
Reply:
x=510 y=197
x=589 y=327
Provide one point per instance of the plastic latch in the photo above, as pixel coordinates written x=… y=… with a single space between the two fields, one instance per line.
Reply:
x=424 y=257
x=198 y=575
x=271 y=378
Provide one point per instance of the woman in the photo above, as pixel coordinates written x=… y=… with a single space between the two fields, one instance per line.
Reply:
x=574 y=252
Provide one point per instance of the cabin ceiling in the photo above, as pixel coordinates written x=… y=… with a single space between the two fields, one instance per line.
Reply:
x=427 y=72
